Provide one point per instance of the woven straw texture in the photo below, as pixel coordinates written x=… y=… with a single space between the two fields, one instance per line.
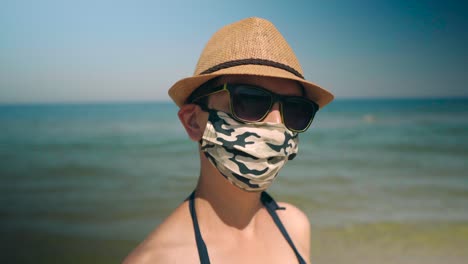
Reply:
x=252 y=46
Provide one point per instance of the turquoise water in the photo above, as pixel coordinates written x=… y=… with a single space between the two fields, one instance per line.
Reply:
x=114 y=171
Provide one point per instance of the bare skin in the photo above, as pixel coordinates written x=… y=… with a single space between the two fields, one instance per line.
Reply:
x=234 y=224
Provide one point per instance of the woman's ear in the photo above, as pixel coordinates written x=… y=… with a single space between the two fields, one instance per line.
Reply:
x=191 y=117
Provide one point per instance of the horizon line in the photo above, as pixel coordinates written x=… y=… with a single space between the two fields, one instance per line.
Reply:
x=146 y=101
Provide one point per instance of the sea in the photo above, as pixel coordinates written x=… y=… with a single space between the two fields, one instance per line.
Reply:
x=381 y=180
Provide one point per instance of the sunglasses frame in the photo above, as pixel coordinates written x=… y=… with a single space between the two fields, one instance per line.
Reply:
x=274 y=98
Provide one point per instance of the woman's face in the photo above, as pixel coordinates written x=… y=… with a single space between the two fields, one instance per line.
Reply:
x=220 y=101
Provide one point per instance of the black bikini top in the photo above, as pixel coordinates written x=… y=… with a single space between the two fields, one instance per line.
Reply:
x=269 y=204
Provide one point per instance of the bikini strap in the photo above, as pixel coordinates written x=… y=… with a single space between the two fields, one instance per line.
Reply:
x=271 y=207
x=202 y=250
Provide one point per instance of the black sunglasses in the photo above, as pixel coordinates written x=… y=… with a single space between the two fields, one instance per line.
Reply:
x=252 y=104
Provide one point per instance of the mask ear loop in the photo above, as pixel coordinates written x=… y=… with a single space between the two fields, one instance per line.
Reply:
x=204 y=108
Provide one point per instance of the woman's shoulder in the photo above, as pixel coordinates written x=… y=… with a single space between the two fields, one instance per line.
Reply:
x=297 y=224
x=172 y=240
x=292 y=215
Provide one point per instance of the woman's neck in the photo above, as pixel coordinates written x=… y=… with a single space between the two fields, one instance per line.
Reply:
x=233 y=206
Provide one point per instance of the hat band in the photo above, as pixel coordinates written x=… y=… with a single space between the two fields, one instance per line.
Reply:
x=233 y=63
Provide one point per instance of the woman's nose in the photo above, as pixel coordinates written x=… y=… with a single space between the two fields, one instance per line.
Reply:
x=274 y=116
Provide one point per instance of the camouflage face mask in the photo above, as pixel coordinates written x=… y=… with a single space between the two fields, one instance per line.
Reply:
x=249 y=155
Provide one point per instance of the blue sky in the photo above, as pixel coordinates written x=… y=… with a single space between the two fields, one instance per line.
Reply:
x=80 y=51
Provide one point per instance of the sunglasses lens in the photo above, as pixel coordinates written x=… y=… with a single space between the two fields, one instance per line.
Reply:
x=298 y=113
x=249 y=103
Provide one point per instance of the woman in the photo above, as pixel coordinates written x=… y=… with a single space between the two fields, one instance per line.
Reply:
x=245 y=106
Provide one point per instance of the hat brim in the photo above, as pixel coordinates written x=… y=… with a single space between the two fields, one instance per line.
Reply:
x=182 y=89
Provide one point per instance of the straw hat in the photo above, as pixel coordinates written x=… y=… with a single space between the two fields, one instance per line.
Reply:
x=252 y=46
